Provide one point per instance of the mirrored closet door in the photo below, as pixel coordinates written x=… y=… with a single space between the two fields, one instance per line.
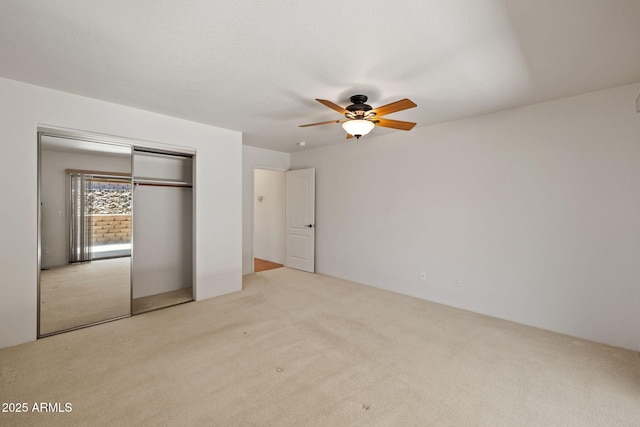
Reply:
x=85 y=233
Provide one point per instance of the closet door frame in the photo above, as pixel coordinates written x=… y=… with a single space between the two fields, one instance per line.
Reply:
x=132 y=144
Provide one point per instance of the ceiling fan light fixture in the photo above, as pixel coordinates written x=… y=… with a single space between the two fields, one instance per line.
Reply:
x=358 y=128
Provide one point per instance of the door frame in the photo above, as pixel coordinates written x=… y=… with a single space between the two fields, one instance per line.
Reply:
x=253 y=201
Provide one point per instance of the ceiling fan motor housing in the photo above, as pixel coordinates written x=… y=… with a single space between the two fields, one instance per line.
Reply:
x=359 y=104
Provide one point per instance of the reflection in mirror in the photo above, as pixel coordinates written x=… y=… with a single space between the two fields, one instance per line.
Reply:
x=85 y=233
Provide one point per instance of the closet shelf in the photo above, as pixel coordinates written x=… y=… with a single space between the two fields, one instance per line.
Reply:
x=161 y=182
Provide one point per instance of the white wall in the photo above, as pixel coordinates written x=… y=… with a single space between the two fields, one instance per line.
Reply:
x=255 y=158
x=162 y=240
x=54 y=228
x=162 y=225
x=218 y=191
x=268 y=231
x=535 y=210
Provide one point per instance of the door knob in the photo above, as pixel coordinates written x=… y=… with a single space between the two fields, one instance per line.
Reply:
x=309 y=226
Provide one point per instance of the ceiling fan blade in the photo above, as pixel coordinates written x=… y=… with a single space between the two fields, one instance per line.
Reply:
x=403 y=104
x=349 y=136
x=395 y=124
x=322 y=123
x=331 y=105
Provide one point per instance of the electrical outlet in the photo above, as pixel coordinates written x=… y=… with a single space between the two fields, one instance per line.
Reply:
x=423 y=276
x=456 y=281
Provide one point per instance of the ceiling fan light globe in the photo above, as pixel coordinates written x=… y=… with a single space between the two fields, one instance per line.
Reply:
x=358 y=128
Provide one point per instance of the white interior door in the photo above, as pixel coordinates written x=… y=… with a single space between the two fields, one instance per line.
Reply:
x=300 y=219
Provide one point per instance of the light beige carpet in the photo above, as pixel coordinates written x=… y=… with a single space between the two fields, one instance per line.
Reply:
x=165 y=299
x=81 y=294
x=297 y=349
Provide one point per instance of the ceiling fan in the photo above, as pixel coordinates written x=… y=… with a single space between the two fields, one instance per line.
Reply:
x=360 y=118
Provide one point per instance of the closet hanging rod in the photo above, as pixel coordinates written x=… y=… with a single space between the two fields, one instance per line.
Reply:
x=160 y=183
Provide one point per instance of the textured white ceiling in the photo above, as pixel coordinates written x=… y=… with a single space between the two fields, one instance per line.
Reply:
x=256 y=66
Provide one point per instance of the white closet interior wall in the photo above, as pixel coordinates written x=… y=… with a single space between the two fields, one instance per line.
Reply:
x=162 y=223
